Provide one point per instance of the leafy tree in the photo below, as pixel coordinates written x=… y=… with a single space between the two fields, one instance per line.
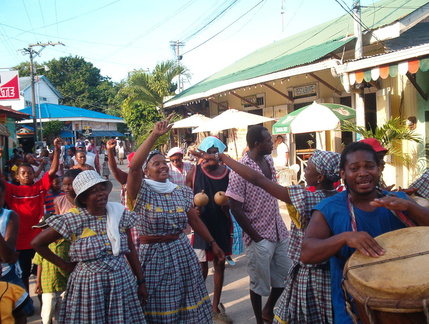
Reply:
x=143 y=96
x=140 y=118
x=52 y=129
x=24 y=68
x=389 y=135
x=78 y=81
x=152 y=88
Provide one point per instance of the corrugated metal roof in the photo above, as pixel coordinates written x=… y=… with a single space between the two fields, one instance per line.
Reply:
x=307 y=46
x=60 y=111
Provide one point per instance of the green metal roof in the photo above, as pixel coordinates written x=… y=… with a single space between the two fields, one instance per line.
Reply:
x=305 y=47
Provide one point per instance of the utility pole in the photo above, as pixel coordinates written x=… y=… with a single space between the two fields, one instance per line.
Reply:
x=176 y=46
x=359 y=96
x=30 y=50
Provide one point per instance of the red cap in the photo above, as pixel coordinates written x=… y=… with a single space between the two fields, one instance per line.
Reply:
x=130 y=158
x=375 y=144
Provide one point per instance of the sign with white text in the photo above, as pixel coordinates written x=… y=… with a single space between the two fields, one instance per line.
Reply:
x=9 y=85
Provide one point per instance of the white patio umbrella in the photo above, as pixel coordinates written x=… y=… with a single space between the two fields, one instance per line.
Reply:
x=231 y=118
x=192 y=121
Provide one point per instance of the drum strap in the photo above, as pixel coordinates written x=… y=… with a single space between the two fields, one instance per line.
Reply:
x=407 y=221
x=349 y=305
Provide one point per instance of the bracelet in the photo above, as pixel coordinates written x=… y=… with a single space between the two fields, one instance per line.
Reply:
x=141 y=281
x=211 y=242
x=217 y=157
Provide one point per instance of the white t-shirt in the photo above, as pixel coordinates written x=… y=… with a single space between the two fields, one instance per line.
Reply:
x=280 y=157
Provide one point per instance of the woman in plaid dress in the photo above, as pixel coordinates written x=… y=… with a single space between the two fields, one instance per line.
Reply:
x=307 y=295
x=102 y=287
x=174 y=281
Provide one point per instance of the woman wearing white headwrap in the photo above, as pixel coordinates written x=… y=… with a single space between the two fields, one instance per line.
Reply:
x=174 y=281
x=306 y=297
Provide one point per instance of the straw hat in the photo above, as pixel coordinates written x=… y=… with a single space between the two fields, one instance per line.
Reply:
x=86 y=180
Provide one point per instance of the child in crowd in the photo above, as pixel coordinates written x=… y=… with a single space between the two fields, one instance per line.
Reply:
x=17 y=161
x=52 y=193
x=28 y=201
x=81 y=162
x=68 y=161
x=105 y=170
x=64 y=204
x=12 y=302
x=51 y=281
x=13 y=297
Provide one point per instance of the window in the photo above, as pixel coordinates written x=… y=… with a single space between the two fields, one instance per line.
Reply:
x=258 y=100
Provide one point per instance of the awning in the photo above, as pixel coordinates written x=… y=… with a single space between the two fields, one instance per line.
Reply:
x=4 y=131
x=106 y=134
x=66 y=134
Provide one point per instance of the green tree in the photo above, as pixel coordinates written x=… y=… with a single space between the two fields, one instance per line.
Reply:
x=143 y=96
x=140 y=118
x=152 y=88
x=79 y=82
x=52 y=129
x=389 y=135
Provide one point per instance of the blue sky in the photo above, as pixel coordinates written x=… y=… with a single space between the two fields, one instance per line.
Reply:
x=119 y=36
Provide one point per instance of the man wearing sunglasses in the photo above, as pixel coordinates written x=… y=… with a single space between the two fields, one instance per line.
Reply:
x=178 y=168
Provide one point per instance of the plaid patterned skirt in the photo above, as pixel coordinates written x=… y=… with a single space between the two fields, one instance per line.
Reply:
x=307 y=296
x=177 y=292
x=101 y=297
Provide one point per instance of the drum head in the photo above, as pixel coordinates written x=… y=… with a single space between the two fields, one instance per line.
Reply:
x=405 y=273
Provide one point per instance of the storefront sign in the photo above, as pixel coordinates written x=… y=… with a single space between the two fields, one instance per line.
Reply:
x=9 y=85
x=305 y=91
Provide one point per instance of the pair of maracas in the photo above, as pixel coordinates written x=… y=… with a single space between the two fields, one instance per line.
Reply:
x=201 y=199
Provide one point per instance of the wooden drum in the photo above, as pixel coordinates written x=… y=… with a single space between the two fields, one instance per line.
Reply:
x=393 y=288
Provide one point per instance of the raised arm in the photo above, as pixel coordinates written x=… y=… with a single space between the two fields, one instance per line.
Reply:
x=56 y=159
x=118 y=174
x=135 y=174
x=253 y=176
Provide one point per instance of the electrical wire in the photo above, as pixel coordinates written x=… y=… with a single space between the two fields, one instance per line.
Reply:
x=222 y=30
x=210 y=21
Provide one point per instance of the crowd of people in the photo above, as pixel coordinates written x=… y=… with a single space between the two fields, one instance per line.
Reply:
x=145 y=260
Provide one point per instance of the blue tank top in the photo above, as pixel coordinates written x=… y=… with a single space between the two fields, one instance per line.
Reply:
x=336 y=212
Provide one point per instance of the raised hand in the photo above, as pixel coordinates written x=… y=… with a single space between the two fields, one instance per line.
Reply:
x=391 y=202
x=162 y=127
x=57 y=143
x=111 y=144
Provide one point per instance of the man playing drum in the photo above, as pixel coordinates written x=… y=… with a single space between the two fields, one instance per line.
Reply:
x=349 y=220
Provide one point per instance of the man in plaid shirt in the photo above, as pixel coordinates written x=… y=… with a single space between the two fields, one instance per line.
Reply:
x=265 y=234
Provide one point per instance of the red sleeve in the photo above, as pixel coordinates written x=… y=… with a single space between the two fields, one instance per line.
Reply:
x=45 y=182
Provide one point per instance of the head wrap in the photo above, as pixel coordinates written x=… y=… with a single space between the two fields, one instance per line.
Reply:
x=150 y=155
x=327 y=164
x=211 y=141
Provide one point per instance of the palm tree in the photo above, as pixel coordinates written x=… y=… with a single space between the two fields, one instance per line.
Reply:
x=389 y=135
x=143 y=96
x=151 y=88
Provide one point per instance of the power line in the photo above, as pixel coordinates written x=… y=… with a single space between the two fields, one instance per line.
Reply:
x=222 y=30
x=211 y=20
